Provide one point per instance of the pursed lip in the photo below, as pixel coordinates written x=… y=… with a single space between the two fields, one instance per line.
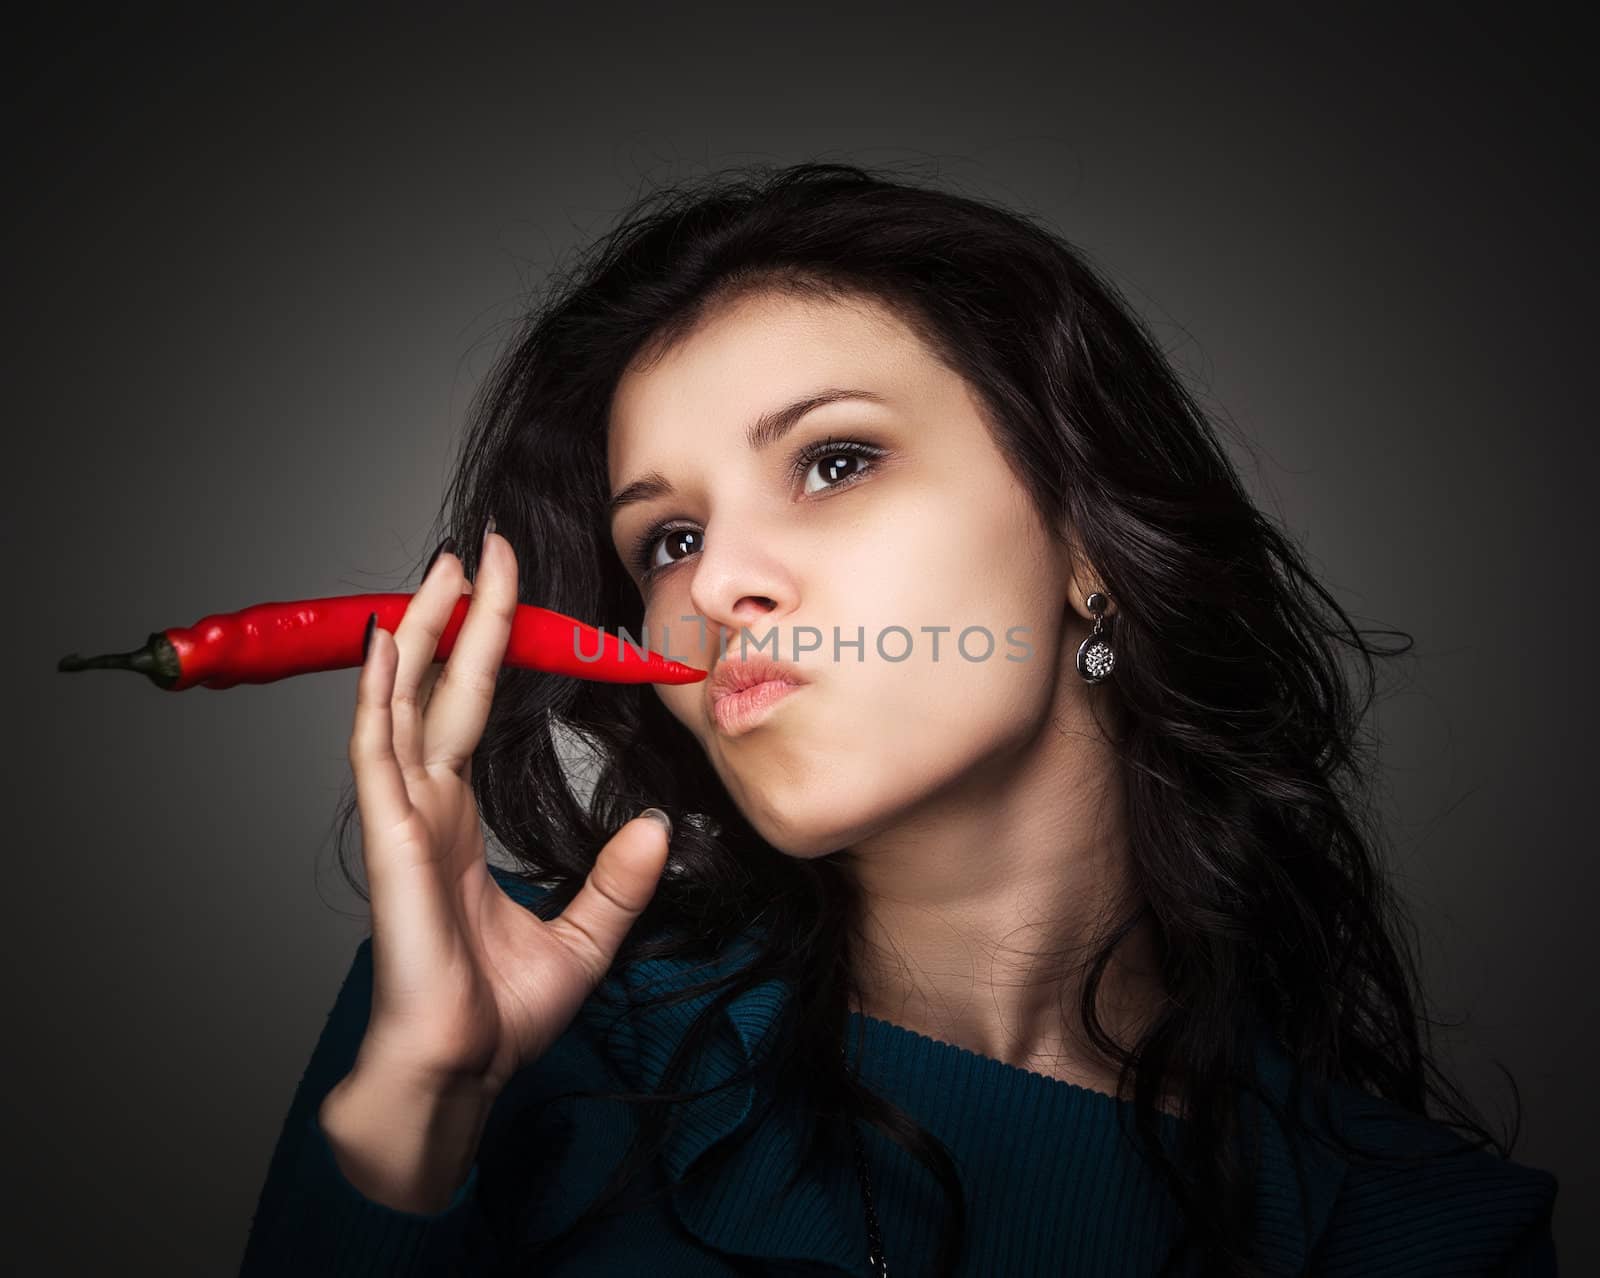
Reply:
x=735 y=675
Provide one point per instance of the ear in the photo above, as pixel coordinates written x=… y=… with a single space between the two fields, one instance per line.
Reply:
x=1083 y=581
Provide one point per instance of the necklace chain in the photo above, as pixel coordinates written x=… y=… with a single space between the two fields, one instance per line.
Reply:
x=876 y=1264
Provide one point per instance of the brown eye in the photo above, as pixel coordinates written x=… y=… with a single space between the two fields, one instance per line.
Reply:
x=677 y=542
x=835 y=468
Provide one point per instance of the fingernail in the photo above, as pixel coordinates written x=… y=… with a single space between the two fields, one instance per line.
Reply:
x=449 y=543
x=656 y=814
x=366 y=639
x=488 y=528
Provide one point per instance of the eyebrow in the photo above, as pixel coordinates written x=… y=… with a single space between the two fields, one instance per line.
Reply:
x=767 y=429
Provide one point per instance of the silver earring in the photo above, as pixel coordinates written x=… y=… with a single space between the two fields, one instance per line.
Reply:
x=1095 y=655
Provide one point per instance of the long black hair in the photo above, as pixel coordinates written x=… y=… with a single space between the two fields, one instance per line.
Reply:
x=1245 y=766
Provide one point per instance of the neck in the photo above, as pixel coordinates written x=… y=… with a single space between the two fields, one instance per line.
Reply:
x=980 y=917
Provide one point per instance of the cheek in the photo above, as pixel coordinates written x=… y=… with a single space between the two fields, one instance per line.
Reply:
x=904 y=728
x=958 y=555
x=947 y=715
x=880 y=739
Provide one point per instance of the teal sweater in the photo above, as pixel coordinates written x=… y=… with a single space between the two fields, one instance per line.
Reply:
x=1053 y=1184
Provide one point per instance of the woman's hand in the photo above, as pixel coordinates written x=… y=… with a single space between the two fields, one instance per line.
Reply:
x=468 y=985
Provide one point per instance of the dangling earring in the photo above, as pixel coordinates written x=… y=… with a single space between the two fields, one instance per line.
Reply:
x=1095 y=656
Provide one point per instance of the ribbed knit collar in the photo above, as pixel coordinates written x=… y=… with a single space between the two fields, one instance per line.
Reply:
x=744 y=1209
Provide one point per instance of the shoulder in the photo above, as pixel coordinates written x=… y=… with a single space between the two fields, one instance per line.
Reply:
x=1418 y=1198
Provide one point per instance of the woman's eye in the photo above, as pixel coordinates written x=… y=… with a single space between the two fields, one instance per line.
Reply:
x=838 y=463
x=686 y=540
x=834 y=468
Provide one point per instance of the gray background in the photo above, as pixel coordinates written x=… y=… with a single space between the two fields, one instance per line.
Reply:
x=257 y=266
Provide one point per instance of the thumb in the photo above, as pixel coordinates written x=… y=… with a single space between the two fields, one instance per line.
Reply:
x=618 y=888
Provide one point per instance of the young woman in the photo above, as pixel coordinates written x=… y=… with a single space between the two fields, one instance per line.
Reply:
x=1016 y=907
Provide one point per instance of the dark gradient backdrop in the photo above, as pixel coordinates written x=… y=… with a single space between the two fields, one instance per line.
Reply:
x=255 y=268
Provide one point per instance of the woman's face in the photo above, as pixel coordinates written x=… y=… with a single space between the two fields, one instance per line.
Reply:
x=796 y=542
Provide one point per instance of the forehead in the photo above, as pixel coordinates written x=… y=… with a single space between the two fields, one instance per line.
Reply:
x=759 y=351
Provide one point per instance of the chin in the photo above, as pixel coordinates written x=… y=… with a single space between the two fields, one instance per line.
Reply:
x=793 y=834
x=807 y=829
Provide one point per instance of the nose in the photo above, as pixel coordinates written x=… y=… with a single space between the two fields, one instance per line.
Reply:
x=741 y=581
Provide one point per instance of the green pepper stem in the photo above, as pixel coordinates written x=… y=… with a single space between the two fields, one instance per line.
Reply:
x=158 y=659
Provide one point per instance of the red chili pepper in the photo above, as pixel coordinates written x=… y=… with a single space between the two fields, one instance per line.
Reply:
x=271 y=641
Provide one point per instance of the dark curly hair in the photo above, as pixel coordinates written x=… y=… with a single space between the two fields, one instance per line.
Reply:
x=1245 y=768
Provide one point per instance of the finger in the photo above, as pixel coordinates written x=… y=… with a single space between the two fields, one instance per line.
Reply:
x=614 y=894
x=382 y=799
x=417 y=637
x=430 y=676
x=465 y=688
